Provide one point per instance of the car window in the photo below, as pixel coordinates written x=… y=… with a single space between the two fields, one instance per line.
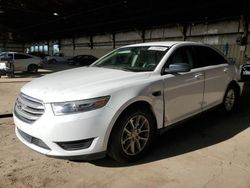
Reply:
x=77 y=57
x=6 y=56
x=92 y=58
x=85 y=57
x=22 y=56
x=10 y=56
x=2 y=54
x=181 y=55
x=59 y=54
x=207 y=56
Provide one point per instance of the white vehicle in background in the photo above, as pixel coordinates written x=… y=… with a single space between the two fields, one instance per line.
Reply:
x=23 y=61
x=6 y=67
x=57 y=57
x=245 y=71
x=117 y=105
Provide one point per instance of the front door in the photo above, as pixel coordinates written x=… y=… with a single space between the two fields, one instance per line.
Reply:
x=183 y=92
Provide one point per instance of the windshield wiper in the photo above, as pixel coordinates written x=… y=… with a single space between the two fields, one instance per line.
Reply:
x=123 y=68
x=136 y=70
x=128 y=69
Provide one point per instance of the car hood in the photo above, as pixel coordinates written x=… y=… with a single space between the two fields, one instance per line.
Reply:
x=81 y=83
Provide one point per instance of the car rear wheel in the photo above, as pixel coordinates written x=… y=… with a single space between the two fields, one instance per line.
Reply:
x=32 y=68
x=230 y=99
x=132 y=136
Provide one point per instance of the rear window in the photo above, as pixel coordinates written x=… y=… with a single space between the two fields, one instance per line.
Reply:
x=6 y=56
x=208 y=56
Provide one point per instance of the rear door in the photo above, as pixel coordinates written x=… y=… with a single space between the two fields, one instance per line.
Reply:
x=183 y=92
x=217 y=77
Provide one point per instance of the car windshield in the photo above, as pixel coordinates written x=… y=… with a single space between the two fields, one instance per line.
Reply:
x=3 y=54
x=136 y=59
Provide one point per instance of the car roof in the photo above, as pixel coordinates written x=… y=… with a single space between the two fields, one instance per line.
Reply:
x=18 y=53
x=14 y=52
x=163 y=43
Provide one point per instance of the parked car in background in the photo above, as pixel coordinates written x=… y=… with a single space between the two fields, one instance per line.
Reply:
x=82 y=60
x=6 y=67
x=23 y=61
x=119 y=104
x=245 y=71
x=39 y=54
x=57 y=57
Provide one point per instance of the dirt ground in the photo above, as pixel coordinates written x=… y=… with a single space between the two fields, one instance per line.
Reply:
x=211 y=150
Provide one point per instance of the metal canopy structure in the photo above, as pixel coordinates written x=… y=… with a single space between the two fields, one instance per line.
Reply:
x=52 y=19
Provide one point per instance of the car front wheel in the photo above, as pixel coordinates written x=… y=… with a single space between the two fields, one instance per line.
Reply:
x=32 y=68
x=132 y=136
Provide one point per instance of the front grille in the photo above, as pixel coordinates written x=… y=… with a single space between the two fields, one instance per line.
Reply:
x=76 y=145
x=33 y=140
x=28 y=109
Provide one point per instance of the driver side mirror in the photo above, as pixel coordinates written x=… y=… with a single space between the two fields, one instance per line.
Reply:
x=177 y=67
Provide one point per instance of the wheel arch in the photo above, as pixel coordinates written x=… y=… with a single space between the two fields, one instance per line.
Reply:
x=234 y=84
x=133 y=104
x=138 y=104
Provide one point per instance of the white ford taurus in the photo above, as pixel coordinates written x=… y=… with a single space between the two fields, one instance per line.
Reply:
x=118 y=104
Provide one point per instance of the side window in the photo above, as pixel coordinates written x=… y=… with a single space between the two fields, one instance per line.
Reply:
x=6 y=56
x=21 y=56
x=209 y=56
x=3 y=55
x=10 y=56
x=181 y=55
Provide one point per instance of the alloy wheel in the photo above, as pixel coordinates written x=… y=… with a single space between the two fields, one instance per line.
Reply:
x=135 y=135
x=230 y=100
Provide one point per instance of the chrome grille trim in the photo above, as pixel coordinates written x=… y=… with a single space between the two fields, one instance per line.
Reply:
x=28 y=109
x=33 y=103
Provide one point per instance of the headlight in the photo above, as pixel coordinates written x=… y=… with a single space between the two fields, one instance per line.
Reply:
x=63 y=108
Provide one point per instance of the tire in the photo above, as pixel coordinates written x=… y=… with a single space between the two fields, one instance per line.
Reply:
x=231 y=99
x=32 y=68
x=127 y=144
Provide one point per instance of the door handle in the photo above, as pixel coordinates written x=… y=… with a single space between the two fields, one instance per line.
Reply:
x=197 y=76
x=156 y=93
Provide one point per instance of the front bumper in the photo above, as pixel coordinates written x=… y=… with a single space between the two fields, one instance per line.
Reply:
x=53 y=130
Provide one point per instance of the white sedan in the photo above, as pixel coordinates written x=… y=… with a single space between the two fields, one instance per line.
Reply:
x=119 y=104
x=57 y=57
x=23 y=61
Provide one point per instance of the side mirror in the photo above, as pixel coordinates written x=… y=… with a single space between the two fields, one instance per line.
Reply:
x=178 y=67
